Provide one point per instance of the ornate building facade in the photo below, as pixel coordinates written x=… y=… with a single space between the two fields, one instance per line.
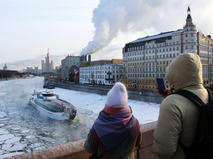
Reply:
x=69 y=70
x=103 y=72
x=48 y=65
x=145 y=59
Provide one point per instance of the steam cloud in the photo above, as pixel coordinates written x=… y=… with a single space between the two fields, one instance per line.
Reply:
x=114 y=16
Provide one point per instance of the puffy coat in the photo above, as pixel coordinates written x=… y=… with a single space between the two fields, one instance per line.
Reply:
x=114 y=133
x=125 y=149
x=178 y=117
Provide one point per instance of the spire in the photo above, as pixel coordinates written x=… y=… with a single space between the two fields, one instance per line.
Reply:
x=189 y=10
x=48 y=52
x=189 y=22
x=189 y=13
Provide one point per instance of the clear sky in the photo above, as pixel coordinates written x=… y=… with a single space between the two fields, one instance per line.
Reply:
x=102 y=27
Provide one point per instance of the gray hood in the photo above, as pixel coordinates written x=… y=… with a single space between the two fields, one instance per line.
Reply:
x=184 y=71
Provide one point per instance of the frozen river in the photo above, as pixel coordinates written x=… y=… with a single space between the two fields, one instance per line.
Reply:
x=24 y=129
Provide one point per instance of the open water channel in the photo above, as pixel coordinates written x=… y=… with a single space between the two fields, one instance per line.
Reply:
x=23 y=129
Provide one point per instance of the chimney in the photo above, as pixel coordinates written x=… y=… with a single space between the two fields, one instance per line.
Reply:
x=89 y=58
x=82 y=58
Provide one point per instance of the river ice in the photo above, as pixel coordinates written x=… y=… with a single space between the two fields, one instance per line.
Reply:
x=24 y=129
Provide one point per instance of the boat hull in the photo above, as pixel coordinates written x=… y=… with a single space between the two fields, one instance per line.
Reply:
x=53 y=115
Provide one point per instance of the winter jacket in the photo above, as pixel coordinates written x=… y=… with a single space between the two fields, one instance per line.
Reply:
x=116 y=135
x=125 y=150
x=178 y=117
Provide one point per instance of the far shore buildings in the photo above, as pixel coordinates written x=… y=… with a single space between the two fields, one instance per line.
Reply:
x=5 y=73
x=103 y=72
x=5 y=67
x=145 y=59
x=47 y=66
x=31 y=70
x=69 y=69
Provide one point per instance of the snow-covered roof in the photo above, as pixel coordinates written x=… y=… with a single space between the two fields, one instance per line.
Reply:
x=158 y=36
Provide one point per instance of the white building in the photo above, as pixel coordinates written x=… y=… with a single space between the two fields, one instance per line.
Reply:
x=48 y=65
x=146 y=58
x=32 y=70
x=104 y=72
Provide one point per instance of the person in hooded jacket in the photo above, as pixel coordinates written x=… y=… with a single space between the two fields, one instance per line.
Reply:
x=178 y=116
x=116 y=132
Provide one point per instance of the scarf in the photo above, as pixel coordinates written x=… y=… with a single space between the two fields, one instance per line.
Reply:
x=113 y=126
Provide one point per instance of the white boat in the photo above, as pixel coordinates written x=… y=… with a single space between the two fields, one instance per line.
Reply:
x=50 y=105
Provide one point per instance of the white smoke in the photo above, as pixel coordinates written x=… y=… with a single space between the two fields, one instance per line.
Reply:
x=114 y=16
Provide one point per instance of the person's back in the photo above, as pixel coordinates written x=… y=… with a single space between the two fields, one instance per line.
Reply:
x=178 y=116
x=115 y=133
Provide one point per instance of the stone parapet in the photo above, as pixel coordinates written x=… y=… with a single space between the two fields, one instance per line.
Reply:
x=75 y=150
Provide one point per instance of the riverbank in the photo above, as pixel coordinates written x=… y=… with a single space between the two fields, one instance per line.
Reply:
x=6 y=79
x=140 y=94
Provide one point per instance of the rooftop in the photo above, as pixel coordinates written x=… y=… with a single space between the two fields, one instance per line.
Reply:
x=158 y=36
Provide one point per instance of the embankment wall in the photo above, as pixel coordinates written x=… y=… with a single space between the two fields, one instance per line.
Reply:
x=146 y=95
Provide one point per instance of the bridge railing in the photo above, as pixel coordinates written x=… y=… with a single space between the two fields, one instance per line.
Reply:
x=75 y=150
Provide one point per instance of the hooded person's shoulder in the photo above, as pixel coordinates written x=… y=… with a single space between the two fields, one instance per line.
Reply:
x=173 y=102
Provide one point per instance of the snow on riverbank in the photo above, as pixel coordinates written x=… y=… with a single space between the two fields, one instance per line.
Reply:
x=143 y=111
